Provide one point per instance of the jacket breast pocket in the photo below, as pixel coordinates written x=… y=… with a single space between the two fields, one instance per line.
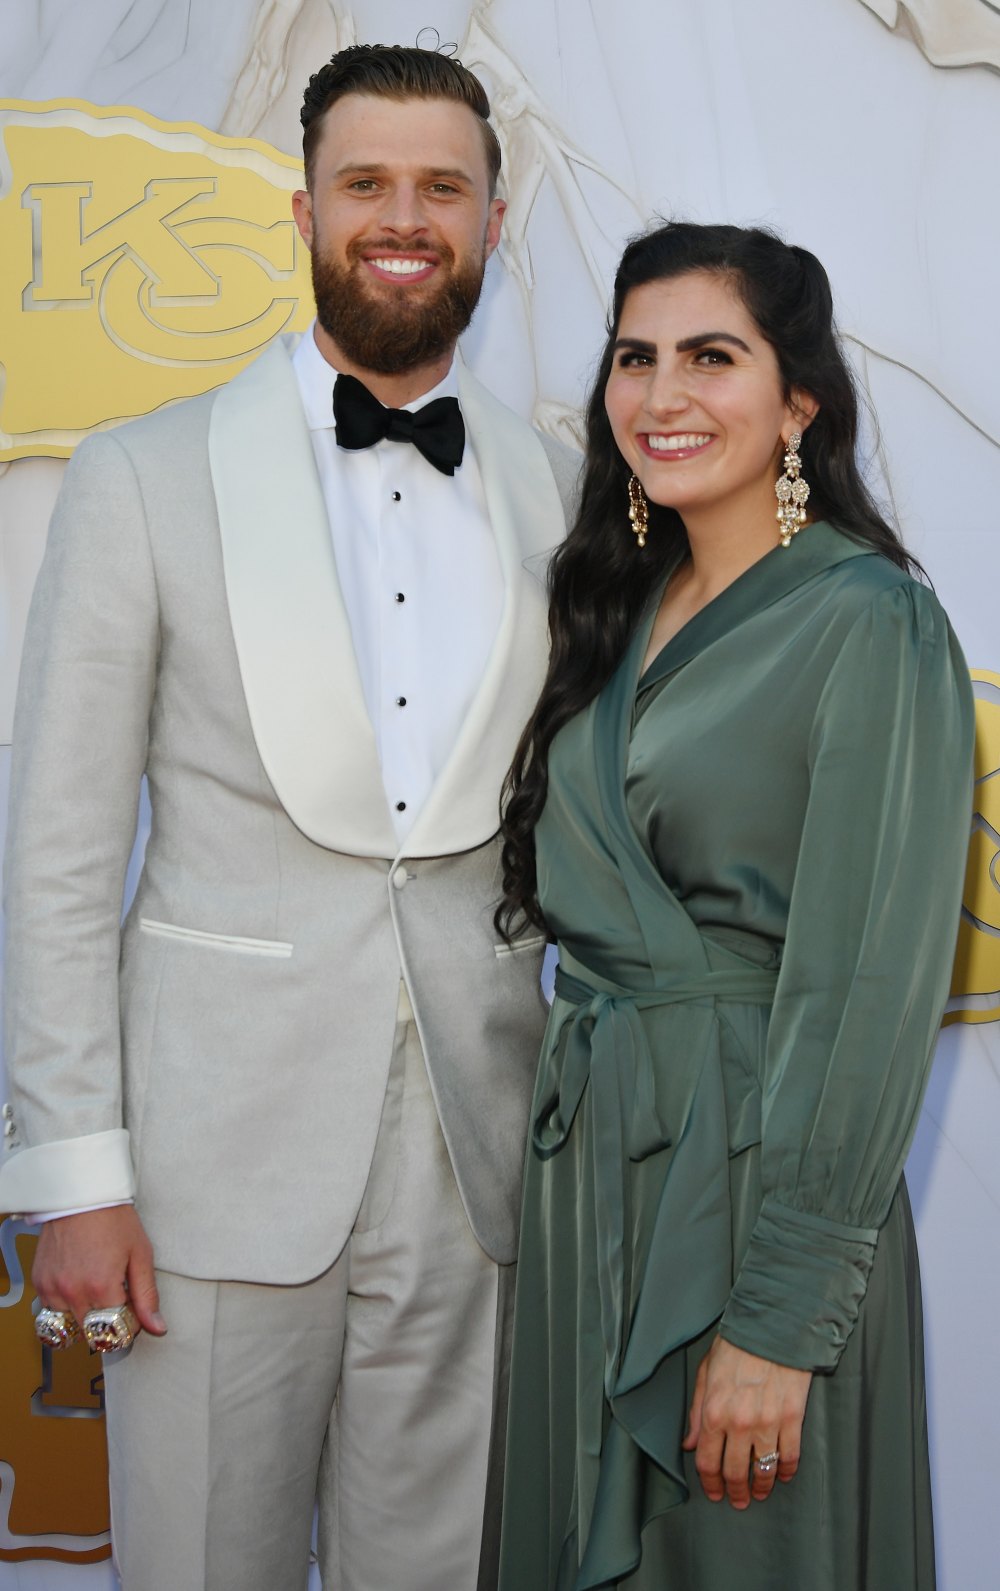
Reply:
x=520 y=947
x=234 y=943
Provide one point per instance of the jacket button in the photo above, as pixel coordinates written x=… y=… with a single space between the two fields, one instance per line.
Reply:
x=400 y=878
x=8 y=1113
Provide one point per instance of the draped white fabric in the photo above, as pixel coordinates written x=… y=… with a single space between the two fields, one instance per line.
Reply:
x=866 y=130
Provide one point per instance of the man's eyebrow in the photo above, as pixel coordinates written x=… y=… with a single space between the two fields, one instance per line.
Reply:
x=454 y=172
x=687 y=344
x=377 y=168
x=372 y=166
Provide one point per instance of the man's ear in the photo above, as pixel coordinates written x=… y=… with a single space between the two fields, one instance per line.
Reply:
x=494 y=223
x=302 y=210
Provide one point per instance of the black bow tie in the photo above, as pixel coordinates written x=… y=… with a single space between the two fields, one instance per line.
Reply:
x=437 y=430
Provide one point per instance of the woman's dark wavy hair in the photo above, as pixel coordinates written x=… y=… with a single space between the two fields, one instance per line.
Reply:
x=599 y=585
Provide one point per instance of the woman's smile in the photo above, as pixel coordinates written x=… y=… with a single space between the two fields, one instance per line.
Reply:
x=674 y=445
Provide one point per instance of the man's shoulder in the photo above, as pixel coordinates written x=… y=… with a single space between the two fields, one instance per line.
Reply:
x=184 y=426
x=492 y=415
x=170 y=427
x=566 y=465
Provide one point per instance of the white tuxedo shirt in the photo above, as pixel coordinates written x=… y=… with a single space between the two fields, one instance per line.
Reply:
x=416 y=557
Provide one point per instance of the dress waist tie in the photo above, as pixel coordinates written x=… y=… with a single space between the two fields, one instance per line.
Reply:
x=680 y=1286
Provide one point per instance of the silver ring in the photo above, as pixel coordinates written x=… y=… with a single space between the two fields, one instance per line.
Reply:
x=56 y=1328
x=107 y=1330
x=766 y=1461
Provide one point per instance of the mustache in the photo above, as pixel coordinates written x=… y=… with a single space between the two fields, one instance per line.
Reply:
x=357 y=249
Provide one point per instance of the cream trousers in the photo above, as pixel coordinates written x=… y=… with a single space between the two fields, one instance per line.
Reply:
x=372 y=1387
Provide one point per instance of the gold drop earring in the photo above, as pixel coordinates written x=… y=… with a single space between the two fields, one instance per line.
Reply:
x=638 y=510
x=792 y=492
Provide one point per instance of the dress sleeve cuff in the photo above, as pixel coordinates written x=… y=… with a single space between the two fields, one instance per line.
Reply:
x=68 y=1173
x=799 y=1289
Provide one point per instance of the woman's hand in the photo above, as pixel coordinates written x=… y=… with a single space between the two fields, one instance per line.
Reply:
x=743 y=1408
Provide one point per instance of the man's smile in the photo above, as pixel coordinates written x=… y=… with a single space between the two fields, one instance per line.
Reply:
x=401 y=267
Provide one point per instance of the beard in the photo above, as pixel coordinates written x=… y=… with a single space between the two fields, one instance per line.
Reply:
x=393 y=334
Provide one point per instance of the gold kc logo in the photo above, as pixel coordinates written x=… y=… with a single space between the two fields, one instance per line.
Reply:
x=148 y=261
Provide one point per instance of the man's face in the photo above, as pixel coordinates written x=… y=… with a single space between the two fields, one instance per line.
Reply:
x=400 y=225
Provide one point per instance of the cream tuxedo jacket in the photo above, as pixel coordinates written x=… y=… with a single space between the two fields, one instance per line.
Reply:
x=224 y=1055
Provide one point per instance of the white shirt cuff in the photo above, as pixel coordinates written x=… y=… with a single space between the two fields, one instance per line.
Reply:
x=39 y=1217
x=68 y=1174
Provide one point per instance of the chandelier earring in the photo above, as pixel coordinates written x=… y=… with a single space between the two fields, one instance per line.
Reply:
x=792 y=492
x=638 y=510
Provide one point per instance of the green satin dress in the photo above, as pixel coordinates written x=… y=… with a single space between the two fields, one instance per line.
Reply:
x=751 y=858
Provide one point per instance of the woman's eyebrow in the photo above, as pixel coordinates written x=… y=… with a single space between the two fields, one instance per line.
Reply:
x=635 y=345
x=703 y=337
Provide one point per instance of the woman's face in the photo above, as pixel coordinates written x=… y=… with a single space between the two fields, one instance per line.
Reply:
x=695 y=399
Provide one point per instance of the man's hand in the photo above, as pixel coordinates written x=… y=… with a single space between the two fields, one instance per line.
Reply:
x=97 y=1261
x=743 y=1408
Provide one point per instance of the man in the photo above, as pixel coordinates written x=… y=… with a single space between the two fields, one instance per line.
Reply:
x=309 y=620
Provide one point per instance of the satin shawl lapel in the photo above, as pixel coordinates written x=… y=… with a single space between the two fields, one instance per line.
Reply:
x=293 y=637
x=526 y=515
x=774 y=576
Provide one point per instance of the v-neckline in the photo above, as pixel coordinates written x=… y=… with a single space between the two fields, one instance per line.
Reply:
x=778 y=572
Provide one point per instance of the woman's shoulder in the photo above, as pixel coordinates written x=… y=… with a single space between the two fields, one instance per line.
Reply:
x=868 y=584
x=877 y=622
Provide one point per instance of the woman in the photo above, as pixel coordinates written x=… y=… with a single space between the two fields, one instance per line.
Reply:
x=741 y=808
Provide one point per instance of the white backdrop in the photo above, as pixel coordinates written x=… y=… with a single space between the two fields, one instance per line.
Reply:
x=867 y=130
